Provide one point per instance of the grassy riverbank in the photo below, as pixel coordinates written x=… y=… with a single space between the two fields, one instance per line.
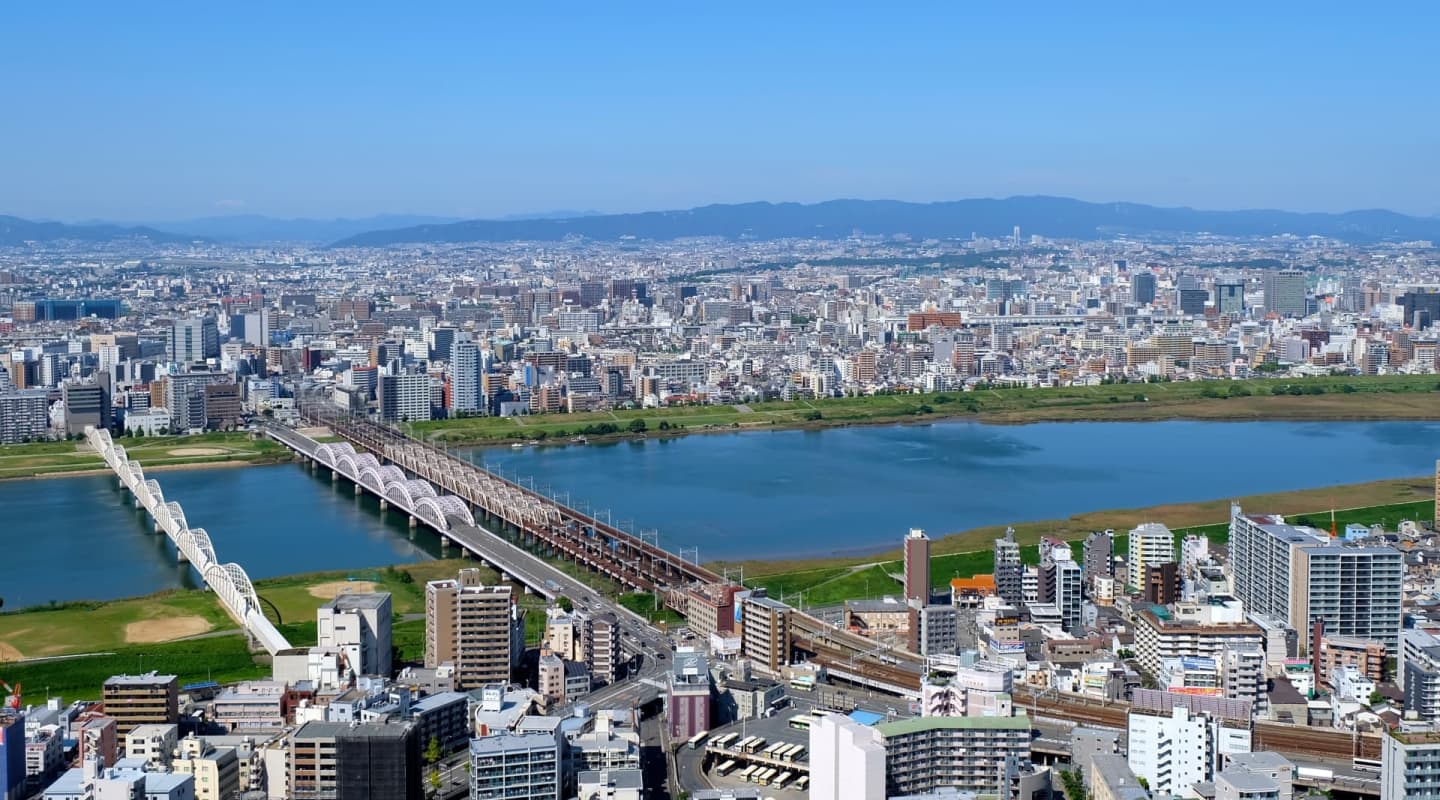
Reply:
x=1323 y=398
x=828 y=581
x=55 y=459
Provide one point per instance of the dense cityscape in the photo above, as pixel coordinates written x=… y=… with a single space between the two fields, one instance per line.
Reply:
x=647 y=401
x=1150 y=663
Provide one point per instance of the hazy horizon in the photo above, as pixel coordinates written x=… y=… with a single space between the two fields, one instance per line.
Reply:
x=171 y=112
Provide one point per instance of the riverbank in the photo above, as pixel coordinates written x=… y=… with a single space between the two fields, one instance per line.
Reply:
x=1385 y=498
x=155 y=453
x=1358 y=398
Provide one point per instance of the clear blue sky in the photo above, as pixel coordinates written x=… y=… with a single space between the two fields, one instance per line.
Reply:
x=149 y=110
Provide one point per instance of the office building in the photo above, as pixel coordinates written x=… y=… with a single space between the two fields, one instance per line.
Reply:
x=510 y=766
x=359 y=626
x=1301 y=576
x=465 y=368
x=184 y=398
x=1009 y=571
x=765 y=637
x=365 y=761
x=1191 y=301
x=1230 y=298
x=86 y=404
x=1142 y=287
x=847 y=760
x=194 y=339
x=1151 y=544
x=404 y=397
x=1420 y=308
x=1285 y=292
x=24 y=415
x=1419 y=674
x=135 y=700
x=471 y=626
x=917 y=567
x=688 y=705
x=975 y=754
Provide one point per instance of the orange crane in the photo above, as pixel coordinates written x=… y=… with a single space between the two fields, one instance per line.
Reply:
x=14 y=693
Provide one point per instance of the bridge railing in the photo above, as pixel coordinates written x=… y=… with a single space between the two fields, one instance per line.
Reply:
x=229 y=581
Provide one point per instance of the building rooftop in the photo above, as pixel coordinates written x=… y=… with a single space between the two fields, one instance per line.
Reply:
x=148 y=679
x=367 y=730
x=498 y=743
x=360 y=601
x=922 y=724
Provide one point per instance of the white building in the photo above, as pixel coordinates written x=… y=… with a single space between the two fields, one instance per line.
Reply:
x=1419 y=674
x=465 y=393
x=1409 y=762
x=359 y=626
x=1174 y=752
x=847 y=760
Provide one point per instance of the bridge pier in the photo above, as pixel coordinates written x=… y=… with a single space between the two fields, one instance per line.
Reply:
x=334 y=476
x=414 y=523
x=359 y=489
x=384 y=504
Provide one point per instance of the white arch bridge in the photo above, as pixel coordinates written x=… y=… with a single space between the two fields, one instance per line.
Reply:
x=228 y=581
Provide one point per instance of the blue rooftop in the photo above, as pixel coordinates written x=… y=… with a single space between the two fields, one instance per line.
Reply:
x=869 y=718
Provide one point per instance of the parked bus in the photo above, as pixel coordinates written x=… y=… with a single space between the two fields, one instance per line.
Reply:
x=723 y=739
x=802 y=783
x=725 y=768
x=802 y=722
x=763 y=776
x=756 y=743
x=744 y=743
x=804 y=683
x=749 y=772
x=773 y=751
x=697 y=740
x=779 y=781
x=791 y=752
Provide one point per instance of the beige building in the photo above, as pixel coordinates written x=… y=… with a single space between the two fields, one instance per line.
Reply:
x=766 y=633
x=135 y=700
x=472 y=626
x=216 y=770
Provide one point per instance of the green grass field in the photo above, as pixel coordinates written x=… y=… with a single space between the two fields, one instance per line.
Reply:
x=1334 y=397
x=220 y=658
x=42 y=458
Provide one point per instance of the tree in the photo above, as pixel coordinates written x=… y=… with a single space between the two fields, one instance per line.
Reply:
x=636 y=425
x=565 y=604
x=432 y=750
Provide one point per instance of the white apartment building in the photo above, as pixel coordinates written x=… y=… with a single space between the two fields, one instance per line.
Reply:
x=1174 y=752
x=847 y=760
x=1151 y=544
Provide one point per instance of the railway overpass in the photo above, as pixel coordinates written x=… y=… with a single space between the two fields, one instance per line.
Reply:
x=227 y=580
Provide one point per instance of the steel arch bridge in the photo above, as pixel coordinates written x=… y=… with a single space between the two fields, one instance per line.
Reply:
x=228 y=581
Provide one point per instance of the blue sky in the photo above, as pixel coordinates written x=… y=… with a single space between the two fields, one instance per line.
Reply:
x=148 y=111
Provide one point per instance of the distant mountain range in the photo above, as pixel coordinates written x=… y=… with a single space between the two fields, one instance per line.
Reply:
x=1047 y=216
x=14 y=231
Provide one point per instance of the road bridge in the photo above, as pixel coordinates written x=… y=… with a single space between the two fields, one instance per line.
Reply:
x=227 y=580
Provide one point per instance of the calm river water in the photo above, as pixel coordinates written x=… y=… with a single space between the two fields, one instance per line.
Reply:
x=754 y=494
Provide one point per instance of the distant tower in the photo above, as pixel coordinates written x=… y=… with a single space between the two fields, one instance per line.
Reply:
x=1015 y=237
x=917 y=567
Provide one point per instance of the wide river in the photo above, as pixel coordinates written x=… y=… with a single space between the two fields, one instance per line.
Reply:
x=753 y=494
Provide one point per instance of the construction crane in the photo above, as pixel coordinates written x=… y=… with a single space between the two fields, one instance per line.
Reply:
x=14 y=701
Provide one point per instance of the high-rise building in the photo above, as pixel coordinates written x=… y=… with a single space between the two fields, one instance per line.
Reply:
x=86 y=404
x=184 y=397
x=24 y=415
x=508 y=766
x=194 y=339
x=1191 y=301
x=765 y=637
x=1142 y=287
x=359 y=625
x=1151 y=544
x=1230 y=298
x=1285 y=292
x=1300 y=575
x=1009 y=571
x=688 y=704
x=917 y=567
x=465 y=369
x=1069 y=592
x=404 y=397
x=1161 y=583
x=847 y=760
x=1421 y=308
x=471 y=626
x=134 y=700
x=1098 y=555
x=1410 y=762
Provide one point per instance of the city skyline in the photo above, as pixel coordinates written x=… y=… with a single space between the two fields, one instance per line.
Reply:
x=173 y=113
